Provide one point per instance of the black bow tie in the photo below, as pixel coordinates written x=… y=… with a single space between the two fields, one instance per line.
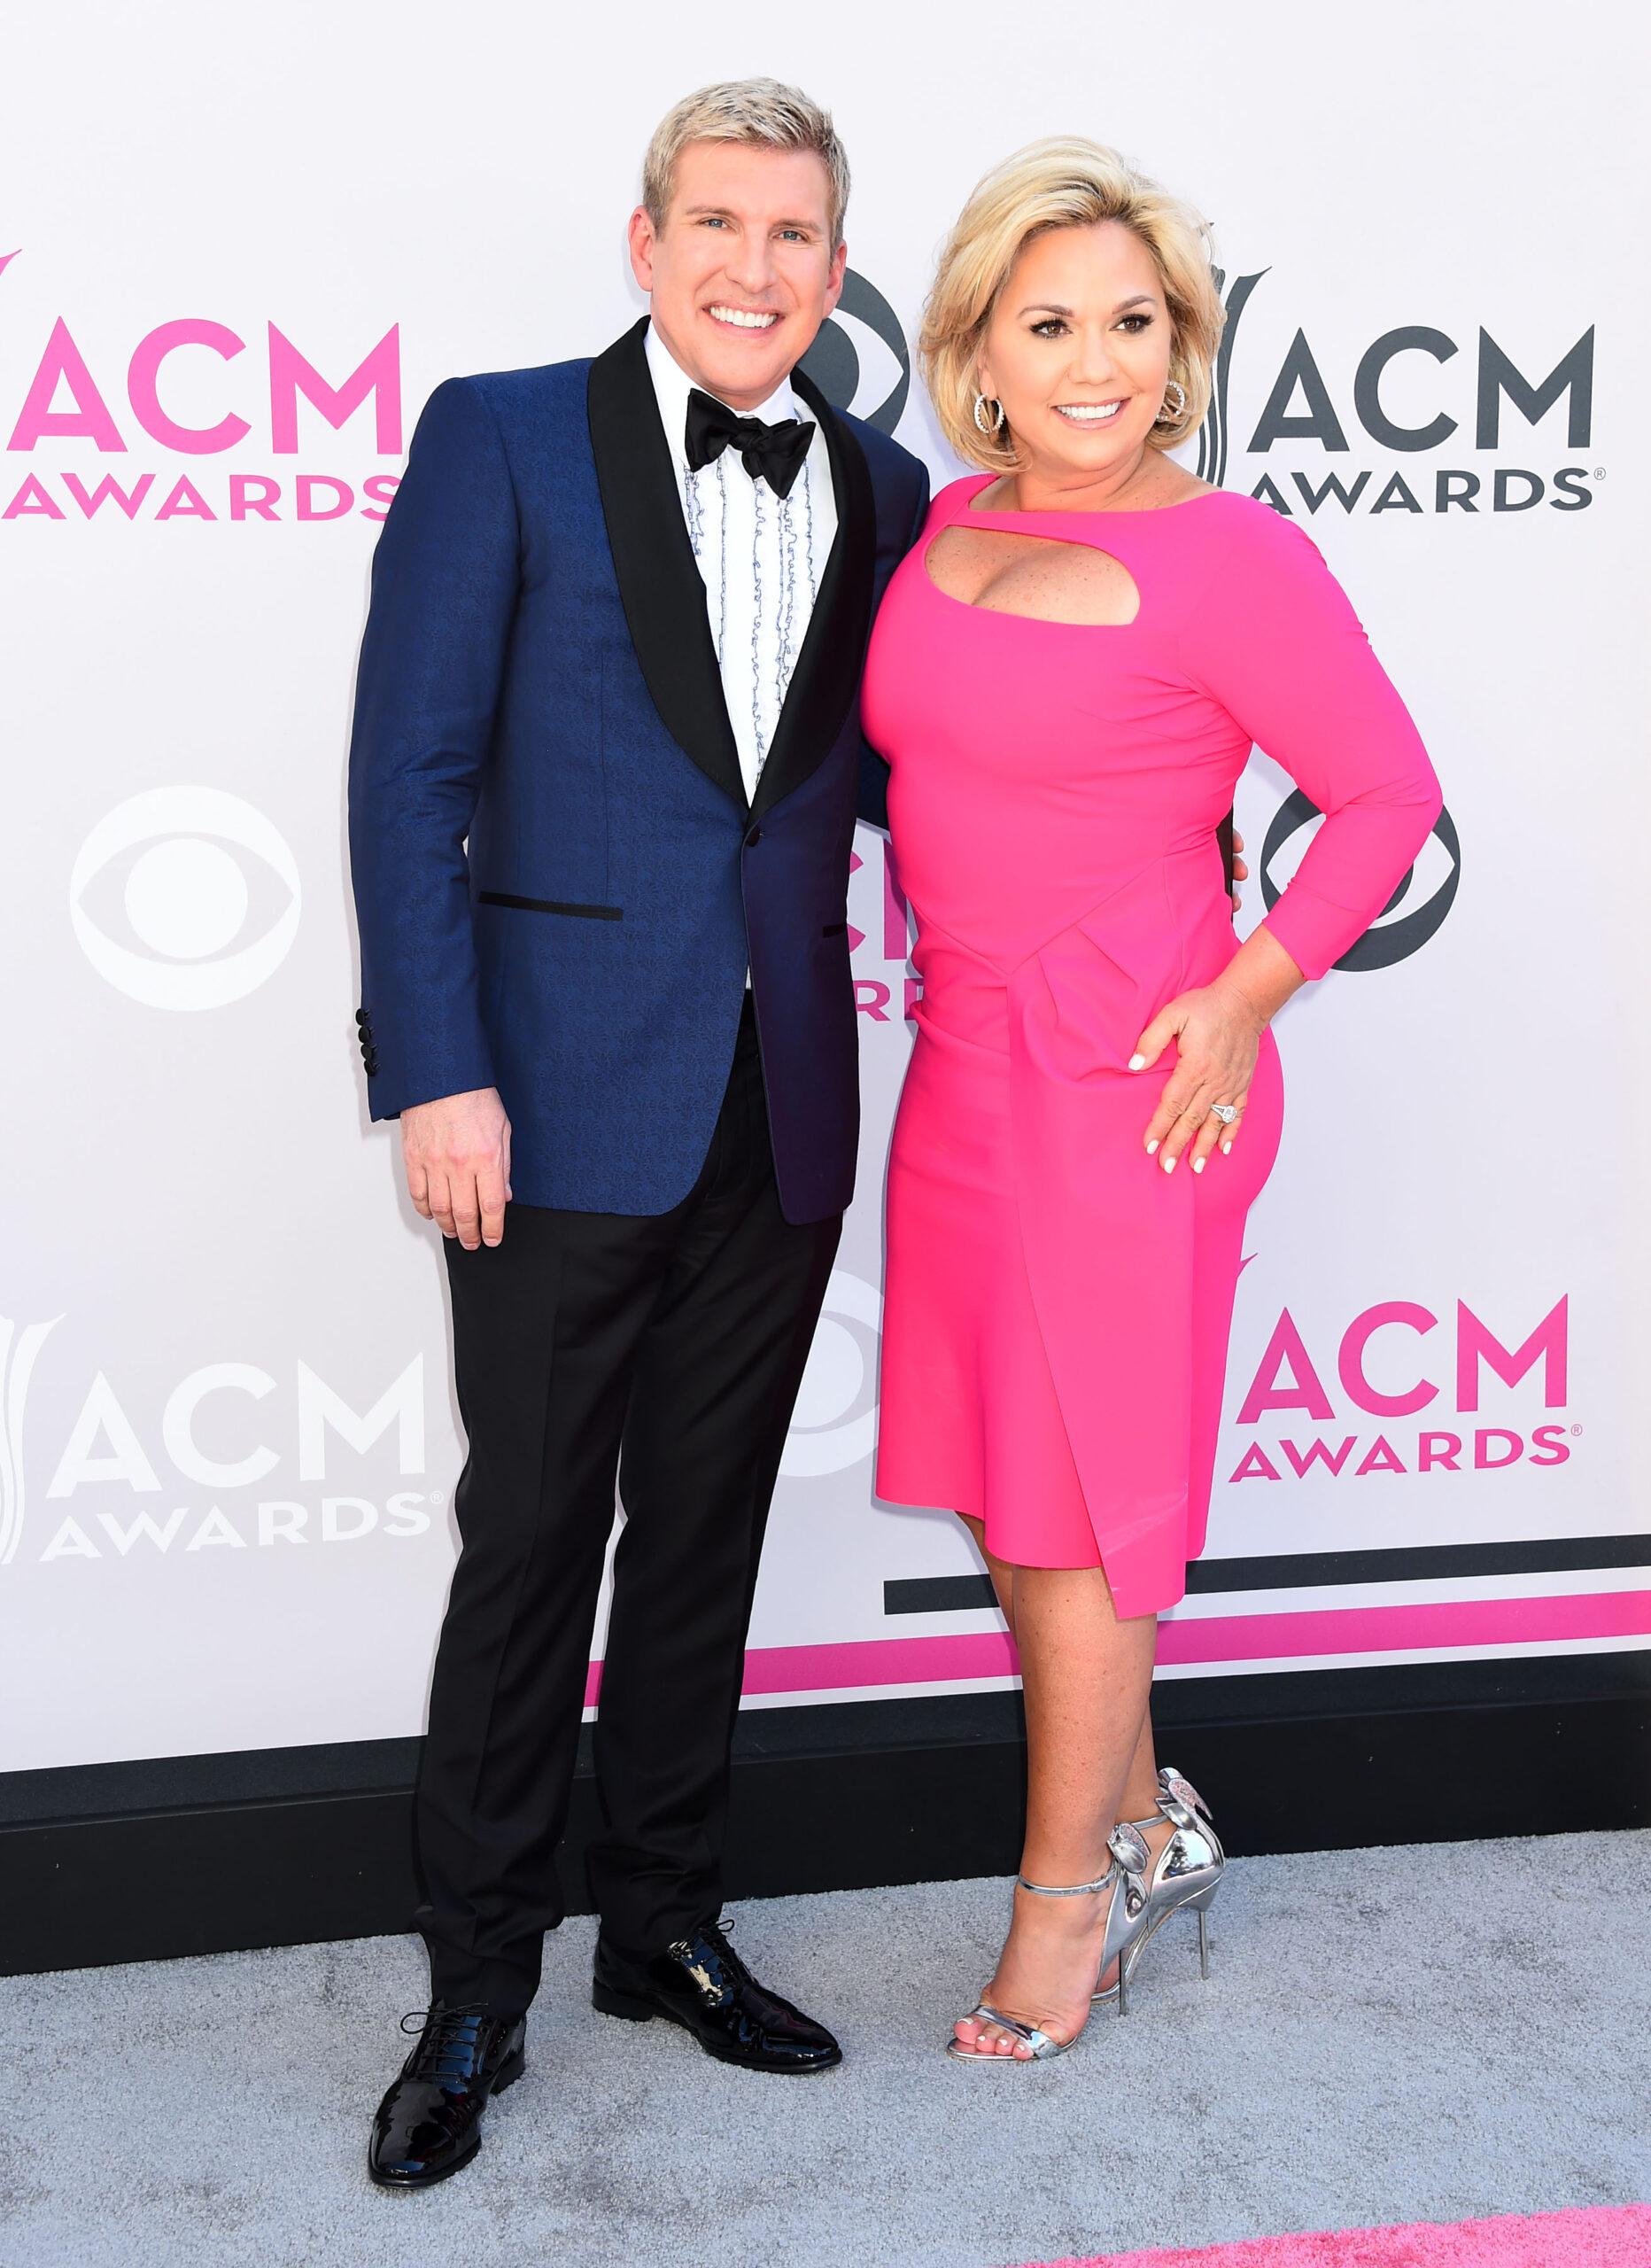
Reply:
x=770 y=453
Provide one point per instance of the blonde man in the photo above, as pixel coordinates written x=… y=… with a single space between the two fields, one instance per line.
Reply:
x=604 y=783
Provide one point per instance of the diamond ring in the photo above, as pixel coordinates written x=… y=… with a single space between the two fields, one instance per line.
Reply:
x=1225 y=1111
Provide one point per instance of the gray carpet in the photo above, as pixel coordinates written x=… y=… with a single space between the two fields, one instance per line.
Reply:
x=1387 y=2035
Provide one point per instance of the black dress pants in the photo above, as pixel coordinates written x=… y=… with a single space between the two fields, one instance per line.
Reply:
x=666 y=1349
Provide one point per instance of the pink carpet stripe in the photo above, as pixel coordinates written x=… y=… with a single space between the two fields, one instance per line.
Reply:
x=1605 y=2236
x=1218 y=1638
x=1383 y=1629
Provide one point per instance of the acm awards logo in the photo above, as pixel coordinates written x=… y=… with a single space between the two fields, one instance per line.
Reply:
x=159 y=398
x=1389 y=1366
x=1301 y=407
x=231 y=1432
x=210 y=1440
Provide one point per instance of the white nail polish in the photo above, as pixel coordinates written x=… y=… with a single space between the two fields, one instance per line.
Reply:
x=1197 y=1165
x=1169 y=1165
x=1151 y=1148
x=1225 y=1148
x=1135 y=1063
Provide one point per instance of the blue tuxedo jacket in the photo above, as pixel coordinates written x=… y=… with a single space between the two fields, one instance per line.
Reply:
x=558 y=878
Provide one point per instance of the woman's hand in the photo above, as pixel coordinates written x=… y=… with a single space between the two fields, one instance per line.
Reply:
x=1218 y=1030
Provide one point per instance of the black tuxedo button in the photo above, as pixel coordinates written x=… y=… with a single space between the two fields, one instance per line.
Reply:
x=753 y=838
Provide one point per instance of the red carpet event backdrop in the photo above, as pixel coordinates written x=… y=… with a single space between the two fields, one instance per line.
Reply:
x=235 y=258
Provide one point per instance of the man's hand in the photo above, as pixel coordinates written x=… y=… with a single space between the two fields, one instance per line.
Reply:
x=457 y=1153
x=1241 y=872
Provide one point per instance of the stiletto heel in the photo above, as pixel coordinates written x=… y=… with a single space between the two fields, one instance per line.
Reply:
x=1127 y=1917
x=1187 y=1872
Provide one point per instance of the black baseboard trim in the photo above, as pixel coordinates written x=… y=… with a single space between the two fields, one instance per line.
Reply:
x=938 y=1801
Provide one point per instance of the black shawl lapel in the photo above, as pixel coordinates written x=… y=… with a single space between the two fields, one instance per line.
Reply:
x=659 y=581
x=827 y=673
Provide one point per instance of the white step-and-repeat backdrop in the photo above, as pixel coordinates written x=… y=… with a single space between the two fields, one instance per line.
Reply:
x=236 y=255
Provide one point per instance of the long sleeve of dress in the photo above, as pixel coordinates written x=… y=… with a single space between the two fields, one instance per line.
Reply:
x=1278 y=644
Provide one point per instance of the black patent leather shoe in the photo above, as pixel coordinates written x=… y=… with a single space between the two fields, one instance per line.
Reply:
x=701 y=1984
x=430 y=2123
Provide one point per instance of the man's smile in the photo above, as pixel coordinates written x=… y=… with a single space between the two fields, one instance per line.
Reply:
x=736 y=318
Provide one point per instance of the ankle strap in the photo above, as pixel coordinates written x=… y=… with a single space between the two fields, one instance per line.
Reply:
x=1128 y=1852
x=1070 y=1889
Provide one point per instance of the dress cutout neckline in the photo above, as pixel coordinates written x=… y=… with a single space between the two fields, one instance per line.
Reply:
x=1008 y=614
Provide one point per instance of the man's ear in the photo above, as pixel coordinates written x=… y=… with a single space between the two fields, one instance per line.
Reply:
x=838 y=270
x=640 y=236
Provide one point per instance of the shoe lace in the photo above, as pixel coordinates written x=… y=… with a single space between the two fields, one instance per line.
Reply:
x=450 y=2035
x=716 y=1935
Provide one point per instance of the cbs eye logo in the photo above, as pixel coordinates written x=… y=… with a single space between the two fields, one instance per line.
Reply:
x=859 y=360
x=835 y=1419
x=1417 y=908
x=163 y=864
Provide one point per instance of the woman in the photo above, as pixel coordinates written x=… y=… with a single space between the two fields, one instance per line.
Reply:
x=1067 y=677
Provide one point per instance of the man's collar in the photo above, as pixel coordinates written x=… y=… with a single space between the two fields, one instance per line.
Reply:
x=672 y=386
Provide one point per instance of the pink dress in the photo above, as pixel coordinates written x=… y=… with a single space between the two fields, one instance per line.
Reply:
x=1057 y=1307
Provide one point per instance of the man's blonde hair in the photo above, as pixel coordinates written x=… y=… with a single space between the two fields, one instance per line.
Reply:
x=756 y=111
x=1066 y=182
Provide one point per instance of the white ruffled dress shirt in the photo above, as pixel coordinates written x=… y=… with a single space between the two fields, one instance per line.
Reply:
x=760 y=557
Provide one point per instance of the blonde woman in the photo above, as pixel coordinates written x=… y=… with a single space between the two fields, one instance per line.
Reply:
x=1066 y=678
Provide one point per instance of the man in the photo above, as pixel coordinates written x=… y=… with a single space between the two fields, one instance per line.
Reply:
x=603 y=784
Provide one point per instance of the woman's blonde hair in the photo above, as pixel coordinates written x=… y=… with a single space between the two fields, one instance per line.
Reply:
x=753 y=111
x=1064 y=183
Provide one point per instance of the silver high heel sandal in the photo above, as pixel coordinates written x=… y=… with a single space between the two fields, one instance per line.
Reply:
x=1188 y=1870
x=1126 y=1917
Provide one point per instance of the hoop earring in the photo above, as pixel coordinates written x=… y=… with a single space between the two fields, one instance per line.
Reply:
x=997 y=423
x=1175 y=414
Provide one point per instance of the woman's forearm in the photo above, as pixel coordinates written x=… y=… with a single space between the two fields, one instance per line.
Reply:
x=1262 y=975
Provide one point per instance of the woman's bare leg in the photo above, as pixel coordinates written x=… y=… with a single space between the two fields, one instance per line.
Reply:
x=1142 y=1779
x=1002 y=1573
x=1144 y=1768
x=1087 y=1677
